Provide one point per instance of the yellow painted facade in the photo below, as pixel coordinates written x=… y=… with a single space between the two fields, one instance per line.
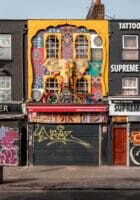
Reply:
x=99 y=26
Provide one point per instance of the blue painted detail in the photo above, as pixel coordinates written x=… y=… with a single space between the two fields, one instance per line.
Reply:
x=94 y=69
x=38 y=82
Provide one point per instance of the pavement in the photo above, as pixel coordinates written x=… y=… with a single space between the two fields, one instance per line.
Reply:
x=31 y=178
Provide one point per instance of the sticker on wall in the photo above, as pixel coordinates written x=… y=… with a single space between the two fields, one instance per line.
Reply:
x=9 y=146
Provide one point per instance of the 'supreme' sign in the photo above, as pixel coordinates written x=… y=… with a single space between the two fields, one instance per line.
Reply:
x=124 y=108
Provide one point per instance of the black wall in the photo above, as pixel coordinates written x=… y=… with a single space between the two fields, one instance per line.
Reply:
x=16 y=66
x=116 y=55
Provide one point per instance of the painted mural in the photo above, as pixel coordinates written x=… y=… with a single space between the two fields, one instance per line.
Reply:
x=67 y=65
x=9 y=146
x=135 y=145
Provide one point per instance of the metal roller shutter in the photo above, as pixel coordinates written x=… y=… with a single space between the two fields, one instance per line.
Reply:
x=66 y=144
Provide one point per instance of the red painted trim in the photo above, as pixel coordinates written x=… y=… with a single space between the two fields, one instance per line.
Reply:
x=66 y=108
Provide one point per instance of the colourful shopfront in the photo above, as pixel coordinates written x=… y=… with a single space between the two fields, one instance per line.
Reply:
x=67 y=89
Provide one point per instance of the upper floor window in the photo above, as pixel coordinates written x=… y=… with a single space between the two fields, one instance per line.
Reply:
x=129 y=86
x=5 y=47
x=82 y=86
x=52 y=46
x=52 y=85
x=81 y=46
x=130 y=47
x=5 y=89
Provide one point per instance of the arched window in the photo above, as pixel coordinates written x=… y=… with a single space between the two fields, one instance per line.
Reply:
x=81 y=46
x=51 y=85
x=82 y=86
x=52 y=46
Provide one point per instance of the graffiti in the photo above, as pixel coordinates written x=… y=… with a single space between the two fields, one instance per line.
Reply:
x=9 y=146
x=135 y=138
x=135 y=154
x=58 y=135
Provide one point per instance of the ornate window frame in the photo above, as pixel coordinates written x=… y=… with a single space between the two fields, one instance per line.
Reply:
x=88 y=36
x=87 y=78
x=58 y=36
x=47 y=77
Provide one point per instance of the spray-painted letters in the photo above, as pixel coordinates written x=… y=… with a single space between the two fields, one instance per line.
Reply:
x=58 y=135
x=9 y=139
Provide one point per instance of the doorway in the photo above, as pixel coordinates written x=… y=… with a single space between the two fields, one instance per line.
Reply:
x=119 y=146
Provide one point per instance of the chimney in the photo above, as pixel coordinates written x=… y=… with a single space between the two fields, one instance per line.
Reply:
x=98 y=2
x=96 y=10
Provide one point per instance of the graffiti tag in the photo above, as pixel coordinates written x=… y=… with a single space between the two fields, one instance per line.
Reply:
x=135 y=155
x=8 y=146
x=58 y=135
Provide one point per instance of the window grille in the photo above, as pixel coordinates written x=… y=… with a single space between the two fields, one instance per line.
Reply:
x=82 y=86
x=130 y=47
x=52 y=85
x=5 y=47
x=129 y=86
x=52 y=46
x=81 y=45
x=5 y=89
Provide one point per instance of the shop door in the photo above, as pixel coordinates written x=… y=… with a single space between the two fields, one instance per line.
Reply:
x=119 y=146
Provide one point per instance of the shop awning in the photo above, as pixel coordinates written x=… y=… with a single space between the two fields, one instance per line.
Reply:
x=67 y=108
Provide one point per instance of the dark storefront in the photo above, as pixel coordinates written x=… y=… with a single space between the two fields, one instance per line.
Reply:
x=124 y=91
x=66 y=144
x=66 y=138
x=12 y=92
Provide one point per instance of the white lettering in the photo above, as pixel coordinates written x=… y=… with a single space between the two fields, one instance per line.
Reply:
x=125 y=68
x=5 y=108
x=133 y=26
